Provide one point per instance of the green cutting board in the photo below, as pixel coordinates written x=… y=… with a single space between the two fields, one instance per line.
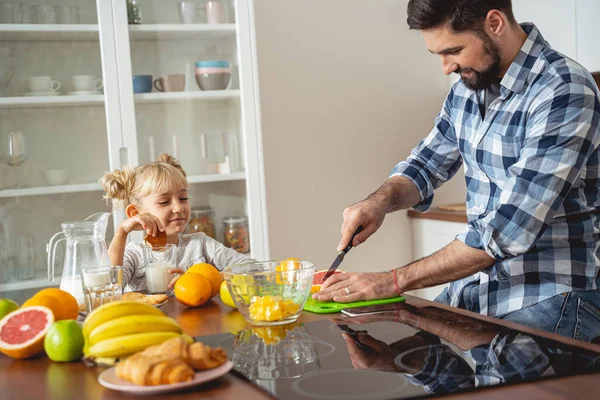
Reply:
x=330 y=307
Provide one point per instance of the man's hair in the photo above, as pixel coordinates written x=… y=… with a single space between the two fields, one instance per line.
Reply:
x=462 y=15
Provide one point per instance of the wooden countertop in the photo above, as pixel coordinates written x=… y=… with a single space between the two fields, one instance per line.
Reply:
x=439 y=215
x=39 y=378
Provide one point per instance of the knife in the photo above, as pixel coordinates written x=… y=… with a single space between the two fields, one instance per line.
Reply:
x=340 y=257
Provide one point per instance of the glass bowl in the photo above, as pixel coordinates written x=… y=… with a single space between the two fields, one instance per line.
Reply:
x=270 y=292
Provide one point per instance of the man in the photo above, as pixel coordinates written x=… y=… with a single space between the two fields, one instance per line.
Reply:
x=524 y=120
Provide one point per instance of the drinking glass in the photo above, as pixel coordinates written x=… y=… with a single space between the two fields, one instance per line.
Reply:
x=101 y=285
x=14 y=153
x=24 y=256
x=157 y=263
x=43 y=14
x=68 y=14
x=11 y=13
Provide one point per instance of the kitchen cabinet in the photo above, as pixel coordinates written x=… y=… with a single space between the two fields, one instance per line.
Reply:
x=429 y=236
x=83 y=133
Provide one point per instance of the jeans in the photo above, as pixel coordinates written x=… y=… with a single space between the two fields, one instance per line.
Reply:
x=575 y=314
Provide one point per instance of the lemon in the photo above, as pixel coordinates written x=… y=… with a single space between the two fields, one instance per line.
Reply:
x=64 y=341
x=226 y=296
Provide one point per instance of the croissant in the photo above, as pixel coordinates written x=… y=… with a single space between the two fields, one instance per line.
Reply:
x=172 y=361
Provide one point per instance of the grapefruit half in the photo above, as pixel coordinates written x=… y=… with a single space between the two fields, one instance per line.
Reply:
x=318 y=279
x=22 y=332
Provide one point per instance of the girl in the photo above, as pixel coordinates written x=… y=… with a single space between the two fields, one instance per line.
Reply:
x=155 y=198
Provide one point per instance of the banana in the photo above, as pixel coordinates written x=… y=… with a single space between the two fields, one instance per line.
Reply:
x=131 y=324
x=114 y=310
x=123 y=346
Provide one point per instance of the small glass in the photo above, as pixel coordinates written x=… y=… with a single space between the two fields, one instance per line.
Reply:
x=202 y=220
x=11 y=13
x=157 y=263
x=101 y=285
x=68 y=14
x=237 y=234
x=134 y=12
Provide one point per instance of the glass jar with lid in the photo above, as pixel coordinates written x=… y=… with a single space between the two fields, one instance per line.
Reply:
x=202 y=220
x=237 y=234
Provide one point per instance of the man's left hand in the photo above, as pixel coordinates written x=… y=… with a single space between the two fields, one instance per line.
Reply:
x=350 y=287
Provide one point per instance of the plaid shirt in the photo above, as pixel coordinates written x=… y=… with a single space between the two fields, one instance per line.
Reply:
x=533 y=177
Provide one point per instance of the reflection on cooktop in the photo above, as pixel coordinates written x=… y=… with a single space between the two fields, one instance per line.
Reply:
x=411 y=352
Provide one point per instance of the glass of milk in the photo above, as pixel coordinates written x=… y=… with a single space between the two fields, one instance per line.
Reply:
x=157 y=263
x=101 y=285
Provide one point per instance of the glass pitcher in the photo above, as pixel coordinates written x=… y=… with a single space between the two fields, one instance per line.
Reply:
x=86 y=247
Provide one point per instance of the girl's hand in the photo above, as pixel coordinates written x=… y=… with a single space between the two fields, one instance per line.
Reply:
x=142 y=222
x=177 y=271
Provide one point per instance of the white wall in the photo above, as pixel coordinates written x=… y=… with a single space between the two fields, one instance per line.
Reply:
x=346 y=92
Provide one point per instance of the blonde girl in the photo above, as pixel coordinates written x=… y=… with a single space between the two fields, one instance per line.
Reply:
x=155 y=198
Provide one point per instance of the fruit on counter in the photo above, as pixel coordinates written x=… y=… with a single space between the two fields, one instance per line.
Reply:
x=318 y=279
x=64 y=341
x=122 y=346
x=50 y=302
x=226 y=296
x=271 y=308
x=209 y=272
x=116 y=309
x=69 y=307
x=7 y=306
x=22 y=331
x=193 y=290
x=131 y=324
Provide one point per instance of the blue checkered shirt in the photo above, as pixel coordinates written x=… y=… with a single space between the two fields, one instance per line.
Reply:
x=533 y=177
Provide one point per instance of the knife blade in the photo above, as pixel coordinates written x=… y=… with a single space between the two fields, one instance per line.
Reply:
x=340 y=257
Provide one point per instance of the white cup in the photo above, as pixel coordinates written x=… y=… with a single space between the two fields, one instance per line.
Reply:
x=215 y=12
x=43 y=84
x=188 y=12
x=86 y=83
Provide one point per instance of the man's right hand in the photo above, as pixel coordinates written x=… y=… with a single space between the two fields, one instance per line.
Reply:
x=369 y=213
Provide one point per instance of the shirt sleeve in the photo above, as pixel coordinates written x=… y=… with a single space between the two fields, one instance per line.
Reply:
x=133 y=275
x=435 y=160
x=561 y=135
x=220 y=256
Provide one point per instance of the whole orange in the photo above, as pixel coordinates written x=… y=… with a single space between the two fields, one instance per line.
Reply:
x=44 y=300
x=69 y=307
x=192 y=290
x=211 y=273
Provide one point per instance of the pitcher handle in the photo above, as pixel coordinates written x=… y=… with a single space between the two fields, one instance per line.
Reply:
x=51 y=250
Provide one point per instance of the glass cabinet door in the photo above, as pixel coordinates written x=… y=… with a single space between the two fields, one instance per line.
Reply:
x=54 y=136
x=183 y=87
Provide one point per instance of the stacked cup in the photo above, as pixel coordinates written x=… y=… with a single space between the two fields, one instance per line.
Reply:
x=213 y=75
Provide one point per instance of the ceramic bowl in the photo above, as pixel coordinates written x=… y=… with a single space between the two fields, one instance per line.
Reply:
x=55 y=177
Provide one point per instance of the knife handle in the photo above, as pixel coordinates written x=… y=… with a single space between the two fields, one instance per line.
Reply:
x=358 y=230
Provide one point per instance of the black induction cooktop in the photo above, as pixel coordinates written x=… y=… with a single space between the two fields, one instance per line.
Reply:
x=408 y=353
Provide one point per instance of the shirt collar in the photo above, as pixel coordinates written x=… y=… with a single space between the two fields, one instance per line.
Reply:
x=522 y=66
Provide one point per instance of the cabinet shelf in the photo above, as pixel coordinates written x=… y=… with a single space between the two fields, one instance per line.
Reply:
x=89 y=32
x=51 y=101
x=180 y=31
x=48 y=32
x=192 y=95
x=92 y=187
x=40 y=281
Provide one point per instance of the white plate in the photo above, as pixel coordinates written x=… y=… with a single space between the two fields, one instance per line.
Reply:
x=41 y=94
x=84 y=92
x=110 y=380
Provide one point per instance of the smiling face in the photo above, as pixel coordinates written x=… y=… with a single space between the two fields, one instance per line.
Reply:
x=475 y=57
x=171 y=207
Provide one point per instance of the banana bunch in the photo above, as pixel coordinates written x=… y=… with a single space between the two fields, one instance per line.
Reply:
x=121 y=328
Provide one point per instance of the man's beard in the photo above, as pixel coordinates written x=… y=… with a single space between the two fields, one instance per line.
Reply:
x=483 y=79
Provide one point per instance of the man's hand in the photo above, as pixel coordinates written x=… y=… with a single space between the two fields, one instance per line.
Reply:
x=361 y=286
x=368 y=213
x=378 y=355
